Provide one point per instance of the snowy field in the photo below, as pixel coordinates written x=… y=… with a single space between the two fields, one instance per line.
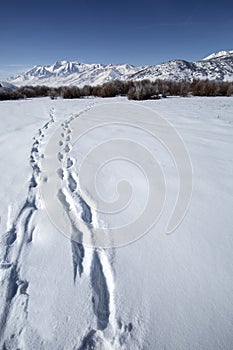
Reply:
x=172 y=292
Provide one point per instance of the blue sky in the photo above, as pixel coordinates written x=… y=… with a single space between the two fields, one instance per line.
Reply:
x=136 y=32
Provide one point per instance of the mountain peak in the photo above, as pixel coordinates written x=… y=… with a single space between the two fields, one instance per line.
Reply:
x=62 y=62
x=219 y=54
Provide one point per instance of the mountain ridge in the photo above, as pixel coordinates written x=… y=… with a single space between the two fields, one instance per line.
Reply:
x=7 y=85
x=217 y=66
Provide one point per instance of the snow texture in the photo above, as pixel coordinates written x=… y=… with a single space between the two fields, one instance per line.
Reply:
x=161 y=292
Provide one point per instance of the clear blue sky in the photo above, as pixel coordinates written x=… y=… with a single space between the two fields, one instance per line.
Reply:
x=137 y=32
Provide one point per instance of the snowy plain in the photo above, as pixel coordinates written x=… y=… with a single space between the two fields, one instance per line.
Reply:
x=160 y=292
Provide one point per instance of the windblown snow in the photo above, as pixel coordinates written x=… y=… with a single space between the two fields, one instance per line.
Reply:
x=160 y=292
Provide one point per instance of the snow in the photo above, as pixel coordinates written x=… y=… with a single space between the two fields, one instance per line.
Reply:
x=5 y=84
x=73 y=73
x=216 y=66
x=160 y=292
x=218 y=55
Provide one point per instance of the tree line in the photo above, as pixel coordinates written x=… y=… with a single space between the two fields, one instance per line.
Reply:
x=134 y=90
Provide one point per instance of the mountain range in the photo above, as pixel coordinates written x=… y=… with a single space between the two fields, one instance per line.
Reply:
x=217 y=66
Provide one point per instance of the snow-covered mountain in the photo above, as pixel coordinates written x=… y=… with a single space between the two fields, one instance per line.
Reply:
x=6 y=85
x=74 y=73
x=218 y=54
x=217 y=66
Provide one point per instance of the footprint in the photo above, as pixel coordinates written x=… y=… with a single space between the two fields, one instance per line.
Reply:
x=60 y=173
x=60 y=143
x=72 y=184
x=70 y=162
x=60 y=156
x=67 y=148
x=128 y=327
x=119 y=323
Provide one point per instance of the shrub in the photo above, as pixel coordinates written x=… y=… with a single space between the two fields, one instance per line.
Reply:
x=70 y=92
x=9 y=94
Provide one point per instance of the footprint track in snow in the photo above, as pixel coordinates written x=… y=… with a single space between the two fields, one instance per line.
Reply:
x=101 y=270
x=19 y=234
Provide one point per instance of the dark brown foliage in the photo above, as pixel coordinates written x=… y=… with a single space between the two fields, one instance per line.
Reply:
x=9 y=94
x=134 y=90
